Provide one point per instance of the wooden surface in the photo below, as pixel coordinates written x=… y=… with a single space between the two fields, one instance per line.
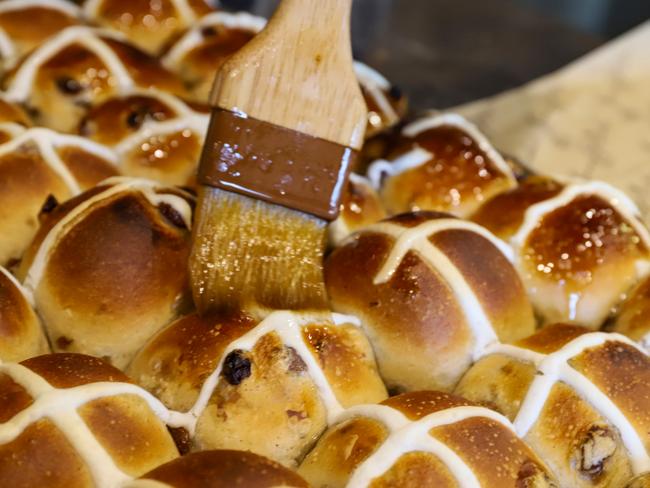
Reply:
x=297 y=73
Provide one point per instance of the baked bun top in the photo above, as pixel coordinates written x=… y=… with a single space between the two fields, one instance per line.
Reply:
x=79 y=67
x=108 y=269
x=428 y=285
x=26 y=24
x=37 y=164
x=607 y=371
x=441 y=163
x=155 y=134
x=578 y=246
x=423 y=438
x=221 y=469
x=73 y=420
x=201 y=51
x=148 y=25
x=21 y=334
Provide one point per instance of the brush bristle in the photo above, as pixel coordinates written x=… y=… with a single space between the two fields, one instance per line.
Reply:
x=248 y=254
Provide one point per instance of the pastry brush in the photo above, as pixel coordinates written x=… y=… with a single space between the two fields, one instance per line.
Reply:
x=287 y=119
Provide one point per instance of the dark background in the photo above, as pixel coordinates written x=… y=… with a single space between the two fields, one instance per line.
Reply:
x=446 y=52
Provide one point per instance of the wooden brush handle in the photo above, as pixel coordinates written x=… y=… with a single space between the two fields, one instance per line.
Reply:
x=297 y=73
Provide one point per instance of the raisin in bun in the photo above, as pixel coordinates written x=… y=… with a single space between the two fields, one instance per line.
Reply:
x=220 y=469
x=107 y=269
x=39 y=167
x=360 y=207
x=201 y=51
x=21 y=333
x=155 y=134
x=441 y=163
x=423 y=438
x=580 y=399
x=267 y=386
x=430 y=291
x=70 y=420
x=579 y=247
x=148 y=25
x=78 y=68
x=386 y=103
x=26 y=24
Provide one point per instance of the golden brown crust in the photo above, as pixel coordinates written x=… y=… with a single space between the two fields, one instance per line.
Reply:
x=25 y=183
x=415 y=470
x=125 y=427
x=417 y=404
x=490 y=449
x=504 y=214
x=149 y=26
x=360 y=206
x=11 y=112
x=457 y=179
x=67 y=370
x=642 y=481
x=580 y=259
x=21 y=334
x=346 y=358
x=416 y=315
x=415 y=295
x=117 y=117
x=88 y=169
x=502 y=459
x=225 y=469
x=42 y=456
x=28 y=27
x=340 y=450
x=175 y=362
x=493 y=280
x=633 y=318
x=13 y=398
x=578 y=443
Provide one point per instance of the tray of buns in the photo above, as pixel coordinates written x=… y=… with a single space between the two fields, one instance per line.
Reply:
x=489 y=314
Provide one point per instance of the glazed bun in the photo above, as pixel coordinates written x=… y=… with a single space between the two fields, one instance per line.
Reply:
x=360 y=207
x=430 y=291
x=40 y=167
x=386 y=103
x=579 y=247
x=269 y=387
x=26 y=24
x=108 y=269
x=154 y=134
x=221 y=469
x=21 y=334
x=421 y=439
x=148 y=25
x=70 y=420
x=633 y=317
x=78 y=68
x=580 y=400
x=441 y=163
x=201 y=51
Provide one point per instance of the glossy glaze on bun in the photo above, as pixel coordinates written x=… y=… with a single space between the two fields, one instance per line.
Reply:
x=441 y=163
x=579 y=247
x=77 y=68
x=148 y=25
x=431 y=291
x=579 y=398
x=423 y=438
x=267 y=386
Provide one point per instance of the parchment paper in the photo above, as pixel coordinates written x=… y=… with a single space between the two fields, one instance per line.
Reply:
x=590 y=119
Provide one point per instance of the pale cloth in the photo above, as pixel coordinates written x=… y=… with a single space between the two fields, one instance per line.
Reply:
x=590 y=119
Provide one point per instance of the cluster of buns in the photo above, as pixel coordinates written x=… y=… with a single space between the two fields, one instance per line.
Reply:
x=488 y=325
